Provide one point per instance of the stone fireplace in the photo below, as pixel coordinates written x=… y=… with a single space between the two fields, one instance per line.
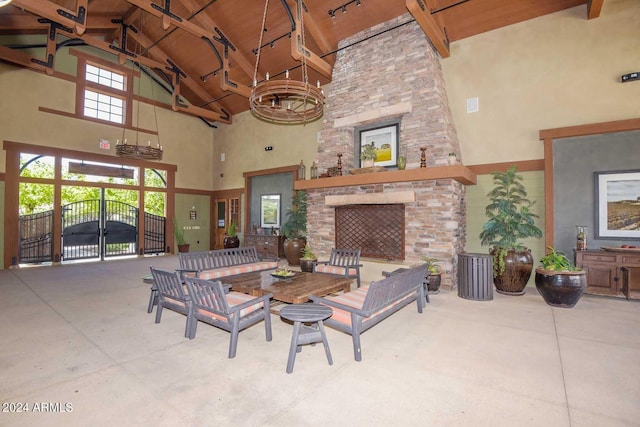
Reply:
x=393 y=74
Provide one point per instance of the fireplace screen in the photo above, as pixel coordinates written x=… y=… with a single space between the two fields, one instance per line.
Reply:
x=377 y=230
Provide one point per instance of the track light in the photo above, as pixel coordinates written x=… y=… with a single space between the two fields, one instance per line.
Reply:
x=343 y=8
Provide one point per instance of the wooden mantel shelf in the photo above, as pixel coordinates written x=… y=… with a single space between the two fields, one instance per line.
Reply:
x=459 y=173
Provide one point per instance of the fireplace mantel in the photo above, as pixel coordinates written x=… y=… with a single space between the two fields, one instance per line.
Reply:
x=459 y=173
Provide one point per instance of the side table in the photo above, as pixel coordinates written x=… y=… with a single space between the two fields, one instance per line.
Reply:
x=302 y=334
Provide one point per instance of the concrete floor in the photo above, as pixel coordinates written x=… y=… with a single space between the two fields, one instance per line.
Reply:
x=80 y=335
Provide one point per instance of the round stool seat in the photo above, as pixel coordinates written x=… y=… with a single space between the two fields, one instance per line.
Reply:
x=305 y=313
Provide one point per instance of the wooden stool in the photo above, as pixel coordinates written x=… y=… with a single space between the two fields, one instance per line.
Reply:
x=302 y=334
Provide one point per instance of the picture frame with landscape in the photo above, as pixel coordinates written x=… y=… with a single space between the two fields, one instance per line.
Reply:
x=617 y=195
x=270 y=211
x=384 y=138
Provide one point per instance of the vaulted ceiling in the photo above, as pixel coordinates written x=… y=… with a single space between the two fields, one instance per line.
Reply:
x=211 y=44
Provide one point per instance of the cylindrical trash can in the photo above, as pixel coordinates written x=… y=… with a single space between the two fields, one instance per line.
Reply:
x=475 y=276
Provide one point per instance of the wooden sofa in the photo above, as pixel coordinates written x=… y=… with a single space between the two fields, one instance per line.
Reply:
x=356 y=311
x=215 y=264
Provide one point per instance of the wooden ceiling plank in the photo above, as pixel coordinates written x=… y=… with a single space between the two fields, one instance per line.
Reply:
x=50 y=10
x=192 y=84
x=594 y=7
x=419 y=11
x=237 y=56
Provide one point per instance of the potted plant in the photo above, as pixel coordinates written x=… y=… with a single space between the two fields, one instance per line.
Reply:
x=368 y=155
x=510 y=219
x=435 y=274
x=231 y=239
x=178 y=232
x=451 y=158
x=307 y=259
x=295 y=228
x=560 y=283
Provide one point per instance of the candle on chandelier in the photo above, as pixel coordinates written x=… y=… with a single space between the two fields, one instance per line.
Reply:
x=286 y=74
x=267 y=75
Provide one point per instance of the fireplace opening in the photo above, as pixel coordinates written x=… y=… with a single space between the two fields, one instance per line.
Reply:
x=377 y=230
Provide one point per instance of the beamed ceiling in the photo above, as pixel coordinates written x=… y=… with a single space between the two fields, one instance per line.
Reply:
x=210 y=44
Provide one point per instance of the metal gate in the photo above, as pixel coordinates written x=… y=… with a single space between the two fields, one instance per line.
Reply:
x=154 y=233
x=36 y=232
x=91 y=229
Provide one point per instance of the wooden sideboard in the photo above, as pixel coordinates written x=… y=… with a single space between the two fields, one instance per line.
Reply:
x=605 y=275
x=267 y=246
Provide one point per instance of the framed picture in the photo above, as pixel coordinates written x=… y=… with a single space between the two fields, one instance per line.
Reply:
x=384 y=138
x=618 y=204
x=270 y=210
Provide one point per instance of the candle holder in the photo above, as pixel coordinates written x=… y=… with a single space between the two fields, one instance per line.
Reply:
x=423 y=157
x=581 y=237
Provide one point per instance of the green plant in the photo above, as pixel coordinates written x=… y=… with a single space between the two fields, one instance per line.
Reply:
x=369 y=152
x=296 y=224
x=178 y=232
x=510 y=217
x=307 y=254
x=557 y=261
x=231 y=230
x=432 y=264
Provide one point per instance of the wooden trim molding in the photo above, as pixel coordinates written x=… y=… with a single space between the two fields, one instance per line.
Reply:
x=523 y=166
x=548 y=136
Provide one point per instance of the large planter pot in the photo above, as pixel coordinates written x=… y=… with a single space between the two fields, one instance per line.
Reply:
x=293 y=250
x=517 y=271
x=231 y=242
x=307 y=264
x=560 y=288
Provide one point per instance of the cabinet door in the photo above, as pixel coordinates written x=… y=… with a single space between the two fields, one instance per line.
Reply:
x=601 y=279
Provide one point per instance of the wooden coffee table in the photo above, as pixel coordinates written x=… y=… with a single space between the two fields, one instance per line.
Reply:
x=294 y=290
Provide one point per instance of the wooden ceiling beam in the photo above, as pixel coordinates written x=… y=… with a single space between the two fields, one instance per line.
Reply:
x=204 y=19
x=315 y=32
x=189 y=82
x=594 y=7
x=419 y=11
x=30 y=23
x=185 y=25
x=75 y=19
x=298 y=49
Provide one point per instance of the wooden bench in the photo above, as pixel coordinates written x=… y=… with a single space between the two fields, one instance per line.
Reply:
x=355 y=312
x=215 y=264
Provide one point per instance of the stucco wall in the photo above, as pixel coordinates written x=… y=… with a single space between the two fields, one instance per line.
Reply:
x=553 y=71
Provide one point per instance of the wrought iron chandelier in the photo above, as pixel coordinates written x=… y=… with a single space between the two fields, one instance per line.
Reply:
x=137 y=151
x=286 y=101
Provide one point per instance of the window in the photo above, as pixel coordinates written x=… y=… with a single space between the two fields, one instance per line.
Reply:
x=104 y=91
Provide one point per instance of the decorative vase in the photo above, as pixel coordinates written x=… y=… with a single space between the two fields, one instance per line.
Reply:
x=231 y=242
x=368 y=163
x=518 y=267
x=451 y=160
x=293 y=250
x=402 y=162
x=306 y=265
x=560 y=289
x=183 y=248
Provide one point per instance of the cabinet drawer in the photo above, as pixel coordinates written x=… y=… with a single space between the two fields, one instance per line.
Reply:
x=630 y=259
x=598 y=258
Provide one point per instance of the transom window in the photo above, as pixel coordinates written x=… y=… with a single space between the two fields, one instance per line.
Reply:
x=104 y=91
x=105 y=77
x=102 y=106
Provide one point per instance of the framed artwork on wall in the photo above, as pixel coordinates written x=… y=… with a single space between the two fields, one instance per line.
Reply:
x=270 y=211
x=384 y=138
x=618 y=204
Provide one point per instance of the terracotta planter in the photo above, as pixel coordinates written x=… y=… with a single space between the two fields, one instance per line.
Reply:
x=231 y=242
x=293 y=250
x=560 y=289
x=307 y=265
x=518 y=268
x=183 y=248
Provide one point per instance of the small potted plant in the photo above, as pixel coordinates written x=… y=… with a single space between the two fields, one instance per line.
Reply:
x=451 y=158
x=368 y=155
x=559 y=282
x=435 y=274
x=178 y=232
x=231 y=239
x=307 y=259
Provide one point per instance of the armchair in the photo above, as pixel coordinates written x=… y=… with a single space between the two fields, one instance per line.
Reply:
x=231 y=311
x=345 y=262
x=171 y=295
